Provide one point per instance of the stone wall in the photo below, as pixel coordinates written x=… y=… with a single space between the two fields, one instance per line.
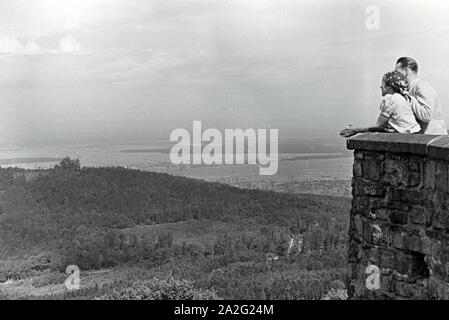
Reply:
x=400 y=217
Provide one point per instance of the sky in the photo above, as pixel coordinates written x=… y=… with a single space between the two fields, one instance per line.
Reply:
x=85 y=71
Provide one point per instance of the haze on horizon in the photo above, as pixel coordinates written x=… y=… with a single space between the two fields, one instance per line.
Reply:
x=90 y=70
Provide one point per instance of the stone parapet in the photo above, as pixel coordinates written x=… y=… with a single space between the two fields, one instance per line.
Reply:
x=399 y=221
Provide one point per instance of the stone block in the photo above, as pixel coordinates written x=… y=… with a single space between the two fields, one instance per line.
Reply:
x=438 y=289
x=398 y=205
x=382 y=257
x=402 y=172
x=387 y=283
x=429 y=173
x=413 y=179
x=393 y=172
x=371 y=169
x=433 y=200
x=375 y=203
x=377 y=234
x=358 y=155
x=358 y=225
x=438 y=148
x=412 y=243
x=442 y=249
x=361 y=206
x=405 y=195
x=433 y=288
x=414 y=164
x=441 y=270
x=391 y=142
x=354 y=251
x=440 y=219
x=419 y=215
x=357 y=187
x=374 y=190
x=399 y=276
x=441 y=176
x=374 y=155
x=387 y=258
x=398 y=216
x=357 y=168
x=410 y=290
x=379 y=214
x=363 y=202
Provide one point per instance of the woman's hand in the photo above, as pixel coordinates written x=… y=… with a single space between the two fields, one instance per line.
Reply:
x=348 y=132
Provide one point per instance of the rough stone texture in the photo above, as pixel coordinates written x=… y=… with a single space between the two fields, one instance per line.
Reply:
x=400 y=216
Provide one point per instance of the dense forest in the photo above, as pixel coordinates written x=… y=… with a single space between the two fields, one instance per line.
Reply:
x=156 y=236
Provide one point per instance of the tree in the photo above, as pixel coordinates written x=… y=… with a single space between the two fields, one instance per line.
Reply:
x=69 y=164
x=160 y=289
x=165 y=240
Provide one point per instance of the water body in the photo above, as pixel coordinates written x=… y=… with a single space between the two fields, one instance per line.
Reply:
x=293 y=166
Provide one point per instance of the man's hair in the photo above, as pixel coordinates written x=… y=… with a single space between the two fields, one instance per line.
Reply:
x=407 y=62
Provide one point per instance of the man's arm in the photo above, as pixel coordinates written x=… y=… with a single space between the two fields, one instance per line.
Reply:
x=422 y=105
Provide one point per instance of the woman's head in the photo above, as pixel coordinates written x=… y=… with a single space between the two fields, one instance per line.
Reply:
x=394 y=82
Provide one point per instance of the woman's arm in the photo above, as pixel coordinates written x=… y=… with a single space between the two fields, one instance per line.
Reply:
x=379 y=127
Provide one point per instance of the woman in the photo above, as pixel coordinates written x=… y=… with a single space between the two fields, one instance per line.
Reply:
x=396 y=114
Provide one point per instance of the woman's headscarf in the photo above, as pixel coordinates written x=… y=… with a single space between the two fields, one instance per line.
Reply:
x=398 y=82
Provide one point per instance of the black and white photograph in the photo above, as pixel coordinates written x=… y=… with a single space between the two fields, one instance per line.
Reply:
x=251 y=151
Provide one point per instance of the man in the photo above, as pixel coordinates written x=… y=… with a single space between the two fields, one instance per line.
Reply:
x=425 y=103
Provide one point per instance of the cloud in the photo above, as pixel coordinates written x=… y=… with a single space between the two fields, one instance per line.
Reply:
x=10 y=47
x=32 y=47
x=69 y=45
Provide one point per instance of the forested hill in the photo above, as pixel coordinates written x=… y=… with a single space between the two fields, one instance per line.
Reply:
x=76 y=215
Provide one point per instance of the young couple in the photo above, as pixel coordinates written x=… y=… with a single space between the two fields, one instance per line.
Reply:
x=409 y=105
